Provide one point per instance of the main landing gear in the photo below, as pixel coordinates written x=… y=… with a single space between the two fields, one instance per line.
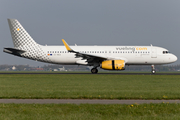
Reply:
x=153 y=69
x=94 y=70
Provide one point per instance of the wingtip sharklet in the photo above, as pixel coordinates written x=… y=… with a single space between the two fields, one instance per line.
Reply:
x=66 y=45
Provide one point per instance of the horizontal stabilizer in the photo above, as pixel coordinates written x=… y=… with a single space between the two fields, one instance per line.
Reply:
x=13 y=51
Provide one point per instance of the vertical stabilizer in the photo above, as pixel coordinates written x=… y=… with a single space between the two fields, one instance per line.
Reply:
x=19 y=35
x=24 y=45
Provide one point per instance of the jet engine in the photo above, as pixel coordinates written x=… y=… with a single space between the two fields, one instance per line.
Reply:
x=113 y=65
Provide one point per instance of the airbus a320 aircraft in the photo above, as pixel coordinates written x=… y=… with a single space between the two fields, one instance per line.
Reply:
x=105 y=57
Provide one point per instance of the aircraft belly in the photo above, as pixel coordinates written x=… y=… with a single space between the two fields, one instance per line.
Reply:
x=141 y=60
x=63 y=59
x=148 y=60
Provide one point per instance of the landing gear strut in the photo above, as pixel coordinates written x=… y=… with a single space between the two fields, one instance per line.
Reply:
x=94 y=70
x=153 y=69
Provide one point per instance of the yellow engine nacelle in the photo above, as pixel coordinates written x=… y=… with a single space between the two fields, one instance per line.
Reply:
x=113 y=65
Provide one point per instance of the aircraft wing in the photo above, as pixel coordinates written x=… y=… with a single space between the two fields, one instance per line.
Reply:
x=89 y=57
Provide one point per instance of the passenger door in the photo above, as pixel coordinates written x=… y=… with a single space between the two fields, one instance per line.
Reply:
x=153 y=52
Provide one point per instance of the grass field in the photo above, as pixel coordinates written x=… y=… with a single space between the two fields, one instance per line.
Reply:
x=88 y=86
x=163 y=111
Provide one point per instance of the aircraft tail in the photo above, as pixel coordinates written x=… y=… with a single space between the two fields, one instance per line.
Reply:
x=24 y=45
x=20 y=37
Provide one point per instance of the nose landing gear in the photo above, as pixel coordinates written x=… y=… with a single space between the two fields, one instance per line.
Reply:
x=94 y=70
x=153 y=69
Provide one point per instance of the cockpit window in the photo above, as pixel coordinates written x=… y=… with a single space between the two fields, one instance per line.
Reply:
x=165 y=52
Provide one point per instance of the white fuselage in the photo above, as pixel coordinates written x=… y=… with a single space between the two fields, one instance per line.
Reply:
x=133 y=55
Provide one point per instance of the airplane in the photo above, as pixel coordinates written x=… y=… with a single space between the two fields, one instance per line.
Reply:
x=105 y=57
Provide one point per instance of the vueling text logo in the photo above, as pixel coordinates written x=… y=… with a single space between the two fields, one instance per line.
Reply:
x=131 y=48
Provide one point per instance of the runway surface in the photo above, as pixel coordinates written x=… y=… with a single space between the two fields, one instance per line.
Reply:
x=108 y=73
x=80 y=101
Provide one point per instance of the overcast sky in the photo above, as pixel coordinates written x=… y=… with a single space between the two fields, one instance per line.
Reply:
x=92 y=22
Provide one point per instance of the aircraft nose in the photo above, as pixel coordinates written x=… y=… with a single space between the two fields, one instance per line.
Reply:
x=174 y=58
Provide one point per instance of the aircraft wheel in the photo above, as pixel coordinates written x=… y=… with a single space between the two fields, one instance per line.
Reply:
x=153 y=71
x=94 y=70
